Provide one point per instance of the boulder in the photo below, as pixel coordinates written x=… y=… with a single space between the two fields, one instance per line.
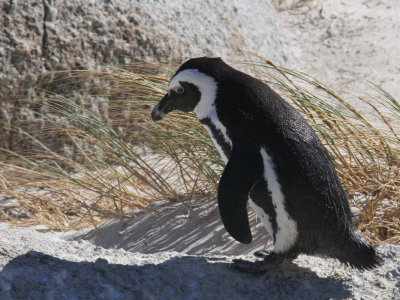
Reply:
x=40 y=38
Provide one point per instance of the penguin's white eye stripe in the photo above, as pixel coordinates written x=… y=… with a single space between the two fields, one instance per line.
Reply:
x=177 y=89
x=206 y=85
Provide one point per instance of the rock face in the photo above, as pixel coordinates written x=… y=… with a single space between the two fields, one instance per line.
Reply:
x=38 y=37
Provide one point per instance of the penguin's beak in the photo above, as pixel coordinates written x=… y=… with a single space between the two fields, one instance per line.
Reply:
x=161 y=109
x=157 y=114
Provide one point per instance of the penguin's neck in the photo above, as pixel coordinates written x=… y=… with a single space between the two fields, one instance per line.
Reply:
x=218 y=133
x=206 y=106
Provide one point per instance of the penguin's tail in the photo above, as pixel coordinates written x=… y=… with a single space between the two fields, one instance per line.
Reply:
x=357 y=253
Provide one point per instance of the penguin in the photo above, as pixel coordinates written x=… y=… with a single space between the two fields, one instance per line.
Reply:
x=275 y=161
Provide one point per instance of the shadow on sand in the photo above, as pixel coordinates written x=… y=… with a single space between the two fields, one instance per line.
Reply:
x=35 y=275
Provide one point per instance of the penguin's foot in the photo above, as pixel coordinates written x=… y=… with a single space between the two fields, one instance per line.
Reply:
x=262 y=253
x=270 y=262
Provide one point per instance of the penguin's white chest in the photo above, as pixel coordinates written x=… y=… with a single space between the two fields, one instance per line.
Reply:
x=286 y=233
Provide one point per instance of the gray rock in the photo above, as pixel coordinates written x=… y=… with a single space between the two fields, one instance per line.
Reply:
x=39 y=37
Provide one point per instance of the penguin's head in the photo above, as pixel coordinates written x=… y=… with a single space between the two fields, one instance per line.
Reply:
x=182 y=95
x=193 y=87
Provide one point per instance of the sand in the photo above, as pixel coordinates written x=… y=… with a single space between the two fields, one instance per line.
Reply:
x=45 y=266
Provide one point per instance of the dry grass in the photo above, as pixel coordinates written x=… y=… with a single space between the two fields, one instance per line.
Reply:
x=127 y=161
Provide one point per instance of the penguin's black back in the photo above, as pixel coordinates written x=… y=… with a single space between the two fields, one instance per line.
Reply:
x=314 y=197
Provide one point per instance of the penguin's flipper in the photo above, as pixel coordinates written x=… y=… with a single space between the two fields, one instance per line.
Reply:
x=243 y=169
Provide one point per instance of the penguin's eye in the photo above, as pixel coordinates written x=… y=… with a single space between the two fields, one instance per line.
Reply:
x=178 y=89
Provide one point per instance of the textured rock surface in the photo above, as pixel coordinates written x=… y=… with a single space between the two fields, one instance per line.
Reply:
x=39 y=36
x=43 y=36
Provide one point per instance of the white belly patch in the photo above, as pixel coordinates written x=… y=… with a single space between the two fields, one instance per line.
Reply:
x=263 y=216
x=286 y=233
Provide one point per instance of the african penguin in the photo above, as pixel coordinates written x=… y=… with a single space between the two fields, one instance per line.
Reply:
x=274 y=160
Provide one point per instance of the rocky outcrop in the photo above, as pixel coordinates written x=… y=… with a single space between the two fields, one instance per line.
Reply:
x=39 y=38
x=48 y=35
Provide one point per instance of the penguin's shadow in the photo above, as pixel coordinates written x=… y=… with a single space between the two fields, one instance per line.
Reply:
x=35 y=275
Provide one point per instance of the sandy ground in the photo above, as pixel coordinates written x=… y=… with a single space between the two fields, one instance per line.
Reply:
x=44 y=266
x=186 y=253
x=194 y=229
